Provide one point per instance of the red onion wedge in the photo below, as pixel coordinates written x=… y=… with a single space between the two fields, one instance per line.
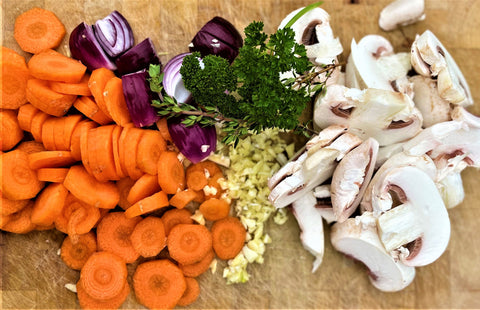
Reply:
x=85 y=47
x=114 y=34
x=138 y=57
x=138 y=97
x=172 y=79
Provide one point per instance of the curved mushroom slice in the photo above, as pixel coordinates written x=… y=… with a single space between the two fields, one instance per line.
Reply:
x=421 y=201
x=388 y=117
x=311 y=224
x=387 y=151
x=351 y=177
x=358 y=238
x=401 y=13
x=428 y=52
x=451 y=190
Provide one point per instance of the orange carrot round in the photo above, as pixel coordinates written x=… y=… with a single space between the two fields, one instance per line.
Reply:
x=103 y=275
x=124 y=185
x=150 y=146
x=30 y=147
x=171 y=175
x=130 y=149
x=145 y=186
x=100 y=152
x=214 y=209
x=228 y=237
x=10 y=131
x=196 y=269
x=176 y=216
x=158 y=284
x=9 y=206
x=50 y=159
x=88 y=302
x=189 y=243
x=38 y=29
x=13 y=79
x=75 y=140
x=88 y=107
x=25 y=116
x=49 y=204
x=70 y=122
x=45 y=99
x=80 y=88
x=181 y=199
x=48 y=133
x=98 y=79
x=196 y=179
x=191 y=292
x=117 y=131
x=77 y=217
x=151 y=203
x=36 y=126
x=113 y=235
x=50 y=65
x=74 y=255
x=55 y=175
x=148 y=237
x=20 y=222
x=115 y=101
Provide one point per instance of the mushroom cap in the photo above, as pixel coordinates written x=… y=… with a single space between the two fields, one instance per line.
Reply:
x=401 y=13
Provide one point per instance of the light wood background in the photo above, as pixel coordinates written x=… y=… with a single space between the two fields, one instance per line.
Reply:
x=33 y=275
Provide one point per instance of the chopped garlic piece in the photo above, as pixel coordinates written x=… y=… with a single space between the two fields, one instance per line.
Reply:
x=71 y=287
x=198 y=217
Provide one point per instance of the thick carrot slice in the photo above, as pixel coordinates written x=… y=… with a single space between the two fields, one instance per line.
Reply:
x=191 y=292
x=96 y=83
x=200 y=196
x=50 y=159
x=228 y=237
x=133 y=137
x=100 y=153
x=77 y=217
x=13 y=79
x=69 y=124
x=79 y=89
x=214 y=209
x=9 y=206
x=90 y=109
x=45 y=99
x=145 y=186
x=54 y=175
x=30 y=147
x=154 y=202
x=196 y=179
x=10 y=131
x=189 y=243
x=19 y=181
x=84 y=154
x=113 y=235
x=124 y=185
x=38 y=29
x=115 y=102
x=171 y=175
x=158 y=284
x=25 y=115
x=162 y=126
x=174 y=217
x=75 y=140
x=36 y=127
x=88 y=302
x=88 y=189
x=122 y=142
x=209 y=168
x=20 y=222
x=48 y=133
x=150 y=147
x=75 y=255
x=59 y=131
x=196 y=269
x=52 y=66
x=103 y=275
x=117 y=131
x=148 y=237
x=181 y=199
x=49 y=204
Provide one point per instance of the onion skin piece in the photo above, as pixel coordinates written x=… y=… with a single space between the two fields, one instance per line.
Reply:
x=172 y=80
x=85 y=47
x=190 y=140
x=217 y=37
x=138 y=97
x=122 y=32
x=138 y=57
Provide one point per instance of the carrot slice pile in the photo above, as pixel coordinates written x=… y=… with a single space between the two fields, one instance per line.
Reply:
x=148 y=237
x=75 y=255
x=189 y=243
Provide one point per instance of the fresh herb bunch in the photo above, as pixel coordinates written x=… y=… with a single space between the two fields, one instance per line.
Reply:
x=248 y=95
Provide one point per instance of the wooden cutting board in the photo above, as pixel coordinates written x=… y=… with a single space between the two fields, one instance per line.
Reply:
x=33 y=275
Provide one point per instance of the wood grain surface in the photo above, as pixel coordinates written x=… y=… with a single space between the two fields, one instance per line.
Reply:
x=33 y=276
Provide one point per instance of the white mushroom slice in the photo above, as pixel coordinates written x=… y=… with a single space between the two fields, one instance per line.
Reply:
x=462 y=115
x=326 y=136
x=351 y=177
x=327 y=214
x=322 y=191
x=387 y=116
x=311 y=225
x=413 y=186
x=360 y=240
x=401 y=13
x=451 y=190
x=385 y=152
x=434 y=108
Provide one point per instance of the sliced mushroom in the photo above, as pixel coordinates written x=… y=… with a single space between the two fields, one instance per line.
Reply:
x=358 y=238
x=387 y=116
x=401 y=13
x=385 y=152
x=351 y=177
x=451 y=190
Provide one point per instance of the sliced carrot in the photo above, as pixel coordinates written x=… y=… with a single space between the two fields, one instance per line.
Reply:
x=75 y=140
x=45 y=99
x=88 y=189
x=38 y=29
x=150 y=146
x=96 y=83
x=36 y=127
x=9 y=206
x=30 y=147
x=171 y=175
x=191 y=292
x=49 y=204
x=55 y=175
x=196 y=269
x=50 y=159
x=113 y=235
x=69 y=124
x=124 y=185
x=52 y=66
x=84 y=153
x=10 y=131
x=75 y=255
x=19 y=181
x=181 y=199
x=162 y=126
x=88 y=302
x=117 y=131
x=228 y=237
x=90 y=109
x=25 y=115
x=100 y=153
x=133 y=137
x=5 y=219
x=214 y=209
x=145 y=186
x=103 y=275
x=77 y=217
x=149 y=204
x=79 y=89
x=20 y=222
x=13 y=79
x=158 y=284
x=189 y=243
x=209 y=168
x=148 y=236
x=48 y=133
x=174 y=217
x=59 y=132
x=122 y=142
x=115 y=101
x=196 y=179
x=200 y=196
